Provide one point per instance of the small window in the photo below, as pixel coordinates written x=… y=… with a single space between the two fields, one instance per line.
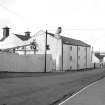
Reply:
x=70 y=48
x=70 y=67
x=78 y=66
x=78 y=48
x=78 y=57
x=84 y=57
x=70 y=58
x=85 y=49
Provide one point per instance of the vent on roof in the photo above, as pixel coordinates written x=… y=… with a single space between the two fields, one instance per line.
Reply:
x=27 y=34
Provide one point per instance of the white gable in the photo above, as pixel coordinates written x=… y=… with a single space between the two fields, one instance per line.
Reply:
x=95 y=59
x=10 y=41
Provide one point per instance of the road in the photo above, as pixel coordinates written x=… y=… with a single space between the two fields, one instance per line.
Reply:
x=45 y=90
x=93 y=94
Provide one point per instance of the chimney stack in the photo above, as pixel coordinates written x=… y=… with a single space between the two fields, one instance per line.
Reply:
x=27 y=34
x=58 y=32
x=5 y=33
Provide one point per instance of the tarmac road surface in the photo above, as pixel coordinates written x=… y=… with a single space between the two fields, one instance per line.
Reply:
x=47 y=89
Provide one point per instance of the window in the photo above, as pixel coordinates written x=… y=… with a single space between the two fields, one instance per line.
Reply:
x=70 y=58
x=78 y=66
x=84 y=64
x=78 y=57
x=78 y=48
x=84 y=57
x=70 y=48
x=70 y=67
x=85 y=49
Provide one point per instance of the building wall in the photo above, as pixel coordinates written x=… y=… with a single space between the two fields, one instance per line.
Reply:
x=82 y=59
x=69 y=57
x=22 y=63
x=55 y=46
x=40 y=41
x=77 y=57
x=89 y=59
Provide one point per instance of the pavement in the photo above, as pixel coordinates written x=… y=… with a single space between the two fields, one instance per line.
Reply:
x=93 y=94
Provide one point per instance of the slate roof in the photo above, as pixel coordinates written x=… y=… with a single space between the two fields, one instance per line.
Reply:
x=71 y=41
x=22 y=37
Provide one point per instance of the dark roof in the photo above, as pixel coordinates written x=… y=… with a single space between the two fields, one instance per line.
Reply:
x=75 y=42
x=71 y=41
x=22 y=37
x=2 y=39
x=51 y=34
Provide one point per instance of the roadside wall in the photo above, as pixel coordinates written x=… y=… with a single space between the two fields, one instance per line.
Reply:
x=24 y=63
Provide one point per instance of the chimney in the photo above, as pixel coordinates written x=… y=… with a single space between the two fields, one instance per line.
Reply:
x=5 y=33
x=27 y=33
x=58 y=32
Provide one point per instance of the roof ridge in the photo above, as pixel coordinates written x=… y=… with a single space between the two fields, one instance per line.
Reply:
x=22 y=37
x=72 y=41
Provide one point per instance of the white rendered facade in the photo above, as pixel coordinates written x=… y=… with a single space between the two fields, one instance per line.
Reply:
x=65 y=54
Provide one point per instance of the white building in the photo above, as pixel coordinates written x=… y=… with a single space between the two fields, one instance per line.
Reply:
x=67 y=53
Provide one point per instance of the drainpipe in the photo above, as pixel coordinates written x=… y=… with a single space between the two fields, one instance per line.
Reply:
x=86 y=57
x=62 y=54
x=77 y=57
x=45 y=50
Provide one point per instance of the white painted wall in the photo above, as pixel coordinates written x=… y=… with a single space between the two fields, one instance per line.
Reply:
x=89 y=60
x=22 y=63
x=54 y=45
x=67 y=52
x=55 y=50
x=81 y=57
x=83 y=62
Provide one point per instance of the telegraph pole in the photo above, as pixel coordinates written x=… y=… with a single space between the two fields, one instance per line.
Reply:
x=45 y=50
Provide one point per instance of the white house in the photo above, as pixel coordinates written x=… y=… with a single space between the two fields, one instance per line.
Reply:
x=67 y=53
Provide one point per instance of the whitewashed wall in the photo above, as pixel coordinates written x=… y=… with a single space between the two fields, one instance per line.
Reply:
x=89 y=60
x=66 y=55
x=22 y=63
x=55 y=48
x=73 y=53
x=81 y=57
x=67 y=52
x=84 y=57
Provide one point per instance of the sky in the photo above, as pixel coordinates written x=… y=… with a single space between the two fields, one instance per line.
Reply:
x=80 y=19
